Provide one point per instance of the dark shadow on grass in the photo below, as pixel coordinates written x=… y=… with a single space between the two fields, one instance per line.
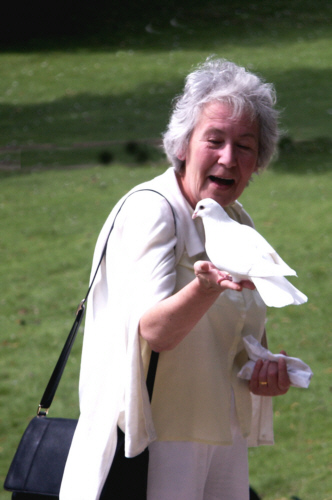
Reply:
x=304 y=157
x=305 y=95
x=162 y=24
x=86 y=117
x=143 y=114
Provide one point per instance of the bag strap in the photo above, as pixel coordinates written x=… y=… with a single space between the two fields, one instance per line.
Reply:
x=55 y=378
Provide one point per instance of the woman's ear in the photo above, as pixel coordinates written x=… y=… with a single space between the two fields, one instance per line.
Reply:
x=181 y=155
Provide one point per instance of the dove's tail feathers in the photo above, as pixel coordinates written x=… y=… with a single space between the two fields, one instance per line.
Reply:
x=278 y=292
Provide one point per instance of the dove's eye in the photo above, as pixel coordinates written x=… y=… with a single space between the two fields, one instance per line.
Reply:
x=201 y=207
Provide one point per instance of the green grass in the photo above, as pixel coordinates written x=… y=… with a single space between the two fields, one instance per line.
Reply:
x=99 y=103
x=51 y=220
x=293 y=211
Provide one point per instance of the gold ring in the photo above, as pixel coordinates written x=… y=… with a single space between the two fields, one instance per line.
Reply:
x=263 y=383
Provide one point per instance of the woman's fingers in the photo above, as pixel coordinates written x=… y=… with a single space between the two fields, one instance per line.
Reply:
x=270 y=378
x=283 y=377
x=210 y=276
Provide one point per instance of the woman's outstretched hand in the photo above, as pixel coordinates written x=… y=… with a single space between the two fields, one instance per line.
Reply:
x=212 y=278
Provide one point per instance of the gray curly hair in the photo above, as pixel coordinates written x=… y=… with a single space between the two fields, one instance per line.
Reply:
x=224 y=81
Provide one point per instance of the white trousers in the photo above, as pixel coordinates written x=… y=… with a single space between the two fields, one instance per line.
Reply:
x=196 y=471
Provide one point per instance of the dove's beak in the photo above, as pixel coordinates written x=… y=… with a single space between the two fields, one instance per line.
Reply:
x=194 y=215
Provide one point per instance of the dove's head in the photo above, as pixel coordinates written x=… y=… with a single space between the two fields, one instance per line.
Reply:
x=208 y=208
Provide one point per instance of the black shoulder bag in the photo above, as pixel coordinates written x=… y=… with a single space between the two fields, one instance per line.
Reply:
x=38 y=465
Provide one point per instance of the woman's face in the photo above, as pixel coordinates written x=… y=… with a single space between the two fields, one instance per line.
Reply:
x=221 y=156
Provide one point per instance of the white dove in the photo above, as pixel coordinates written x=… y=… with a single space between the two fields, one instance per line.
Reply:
x=245 y=254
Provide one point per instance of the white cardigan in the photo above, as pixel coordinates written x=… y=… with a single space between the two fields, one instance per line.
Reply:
x=112 y=380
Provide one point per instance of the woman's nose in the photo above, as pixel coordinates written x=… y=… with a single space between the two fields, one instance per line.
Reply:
x=227 y=155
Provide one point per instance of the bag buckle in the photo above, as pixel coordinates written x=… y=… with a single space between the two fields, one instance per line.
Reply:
x=80 y=307
x=42 y=412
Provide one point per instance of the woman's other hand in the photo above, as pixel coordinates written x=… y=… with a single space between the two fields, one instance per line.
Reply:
x=270 y=378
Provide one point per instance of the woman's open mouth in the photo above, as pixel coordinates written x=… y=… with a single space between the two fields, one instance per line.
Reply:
x=221 y=181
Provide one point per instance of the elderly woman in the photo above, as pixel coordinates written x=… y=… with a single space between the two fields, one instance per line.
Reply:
x=156 y=290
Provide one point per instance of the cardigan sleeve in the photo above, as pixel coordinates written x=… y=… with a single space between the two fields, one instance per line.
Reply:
x=143 y=243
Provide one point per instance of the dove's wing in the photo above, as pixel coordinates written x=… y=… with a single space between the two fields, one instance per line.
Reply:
x=266 y=266
x=277 y=291
x=242 y=251
x=266 y=261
